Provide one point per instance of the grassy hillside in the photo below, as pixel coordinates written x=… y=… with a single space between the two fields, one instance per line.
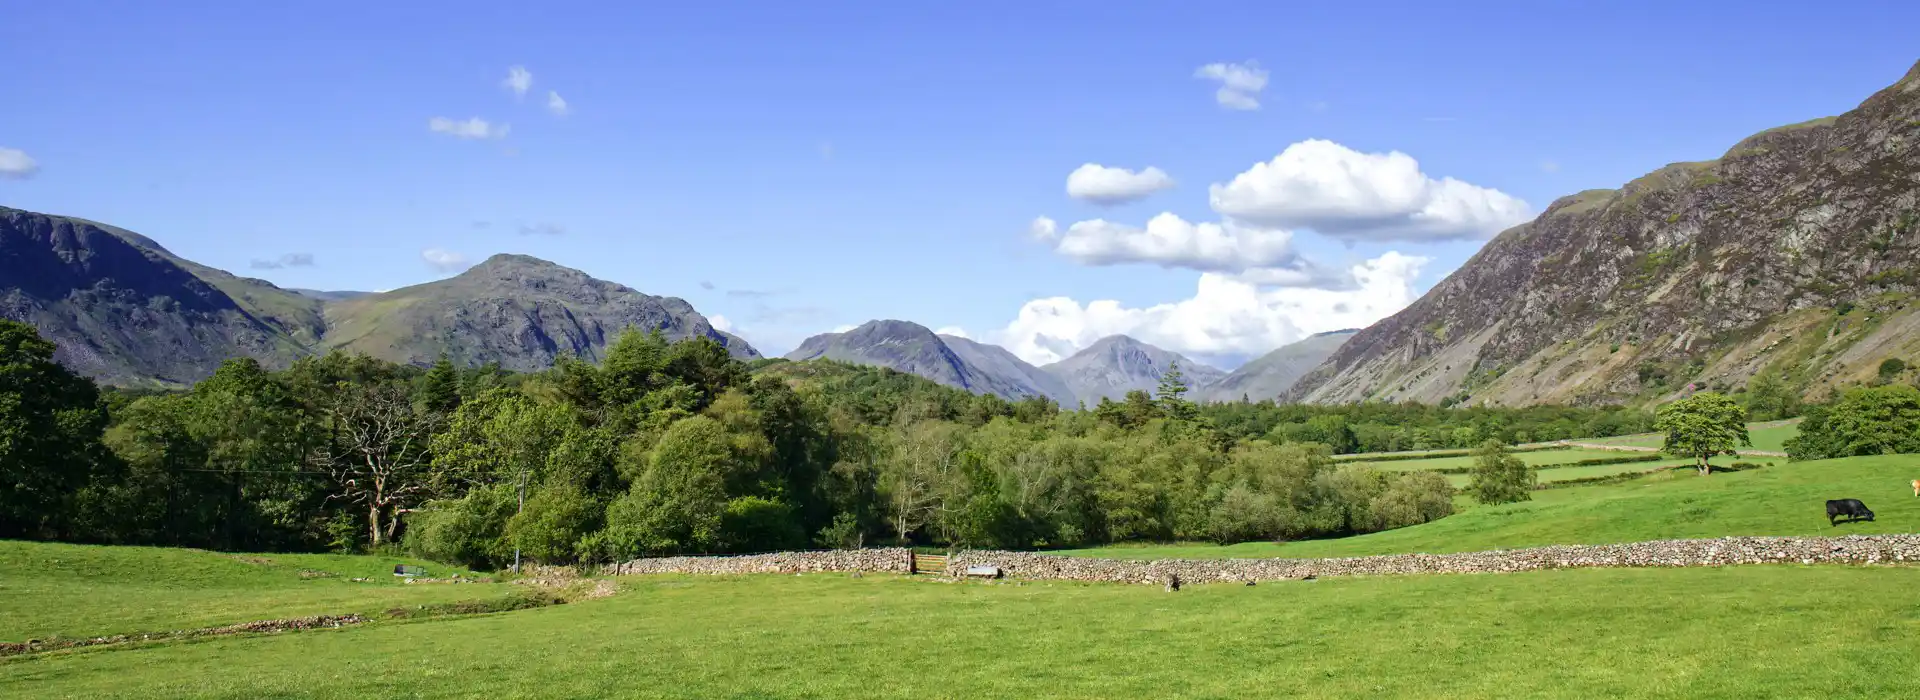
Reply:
x=1785 y=499
x=63 y=590
x=1848 y=632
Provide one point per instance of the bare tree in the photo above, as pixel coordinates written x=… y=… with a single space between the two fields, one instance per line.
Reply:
x=376 y=450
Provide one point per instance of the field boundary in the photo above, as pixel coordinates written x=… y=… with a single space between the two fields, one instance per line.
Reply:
x=1723 y=551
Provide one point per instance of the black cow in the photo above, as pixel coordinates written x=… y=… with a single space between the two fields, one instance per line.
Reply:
x=1851 y=508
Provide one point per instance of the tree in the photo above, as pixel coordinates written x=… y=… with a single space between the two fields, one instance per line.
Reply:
x=376 y=449
x=1499 y=477
x=1703 y=425
x=1770 y=397
x=1863 y=421
x=440 y=387
x=50 y=430
x=1172 y=395
x=1891 y=369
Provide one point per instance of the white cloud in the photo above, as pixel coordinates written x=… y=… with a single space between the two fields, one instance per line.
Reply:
x=444 y=260
x=954 y=331
x=518 y=81
x=474 y=128
x=556 y=105
x=1099 y=184
x=1170 y=241
x=1343 y=193
x=1549 y=166
x=1226 y=316
x=1240 y=83
x=540 y=229
x=720 y=323
x=1043 y=229
x=288 y=260
x=15 y=164
x=843 y=329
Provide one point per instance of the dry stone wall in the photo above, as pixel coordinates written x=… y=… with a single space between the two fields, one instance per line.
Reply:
x=1857 y=549
x=1726 y=551
x=890 y=559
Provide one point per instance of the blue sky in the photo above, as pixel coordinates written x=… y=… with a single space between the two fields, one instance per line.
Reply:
x=793 y=168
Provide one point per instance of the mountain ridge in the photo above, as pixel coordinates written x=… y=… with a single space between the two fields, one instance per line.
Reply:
x=1793 y=252
x=1112 y=366
x=950 y=360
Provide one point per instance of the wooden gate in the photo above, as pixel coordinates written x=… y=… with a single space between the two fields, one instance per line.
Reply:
x=927 y=563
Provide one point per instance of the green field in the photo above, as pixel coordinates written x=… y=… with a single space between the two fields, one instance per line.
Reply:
x=1748 y=632
x=63 y=590
x=1788 y=498
x=1541 y=458
x=1767 y=437
x=1548 y=476
x=1754 y=631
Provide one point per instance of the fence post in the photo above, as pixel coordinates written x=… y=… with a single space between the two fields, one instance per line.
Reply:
x=913 y=567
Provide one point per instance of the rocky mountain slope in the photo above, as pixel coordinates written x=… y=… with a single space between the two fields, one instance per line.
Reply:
x=953 y=361
x=125 y=310
x=516 y=310
x=1272 y=374
x=1117 y=364
x=1798 y=250
x=129 y=312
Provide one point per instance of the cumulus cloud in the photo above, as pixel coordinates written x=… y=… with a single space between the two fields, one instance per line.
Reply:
x=1346 y=194
x=844 y=328
x=1100 y=184
x=1043 y=229
x=473 y=128
x=541 y=229
x=518 y=81
x=288 y=260
x=557 y=106
x=954 y=331
x=1226 y=316
x=1240 y=83
x=720 y=323
x=15 y=164
x=444 y=260
x=1170 y=241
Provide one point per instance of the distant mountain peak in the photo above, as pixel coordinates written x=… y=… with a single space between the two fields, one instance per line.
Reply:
x=951 y=360
x=1117 y=364
x=1271 y=375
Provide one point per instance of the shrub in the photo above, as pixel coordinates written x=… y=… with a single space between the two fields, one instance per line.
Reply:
x=755 y=524
x=1412 y=499
x=469 y=531
x=554 y=520
x=1499 y=477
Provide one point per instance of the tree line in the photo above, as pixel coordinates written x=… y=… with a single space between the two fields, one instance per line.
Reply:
x=668 y=448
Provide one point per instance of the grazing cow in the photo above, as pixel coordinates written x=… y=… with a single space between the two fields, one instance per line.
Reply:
x=1851 y=508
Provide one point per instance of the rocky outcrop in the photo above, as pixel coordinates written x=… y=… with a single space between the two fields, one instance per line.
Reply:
x=1794 y=250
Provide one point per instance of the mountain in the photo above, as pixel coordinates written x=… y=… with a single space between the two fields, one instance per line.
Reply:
x=1272 y=374
x=519 y=311
x=1117 y=364
x=950 y=360
x=125 y=310
x=1796 y=251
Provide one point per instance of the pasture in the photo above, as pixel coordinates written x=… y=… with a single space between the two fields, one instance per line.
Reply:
x=1787 y=498
x=50 y=590
x=1537 y=458
x=1767 y=437
x=1849 y=632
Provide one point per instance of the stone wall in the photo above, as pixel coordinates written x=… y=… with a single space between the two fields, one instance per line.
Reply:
x=1856 y=549
x=893 y=560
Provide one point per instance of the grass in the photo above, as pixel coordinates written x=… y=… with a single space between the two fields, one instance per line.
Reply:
x=50 y=590
x=1539 y=458
x=1788 y=498
x=1767 y=437
x=1548 y=476
x=1749 y=632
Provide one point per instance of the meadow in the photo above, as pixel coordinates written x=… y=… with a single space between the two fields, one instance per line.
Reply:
x=1767 y=437
x=50 y=590
x=1754 y=631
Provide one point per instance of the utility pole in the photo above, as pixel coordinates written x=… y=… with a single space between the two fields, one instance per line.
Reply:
x=523 y=508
